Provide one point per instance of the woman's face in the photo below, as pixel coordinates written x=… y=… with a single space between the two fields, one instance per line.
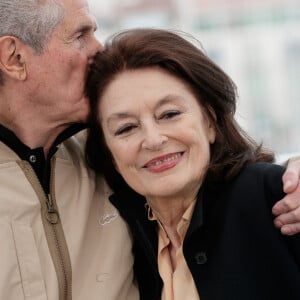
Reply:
x=157 y=133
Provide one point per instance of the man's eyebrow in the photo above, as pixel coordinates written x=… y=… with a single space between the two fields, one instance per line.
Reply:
x=86 y=27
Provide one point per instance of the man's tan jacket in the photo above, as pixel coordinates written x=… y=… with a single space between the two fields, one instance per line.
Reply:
x=70 y=244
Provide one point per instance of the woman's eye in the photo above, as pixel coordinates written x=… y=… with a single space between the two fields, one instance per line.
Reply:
x=125 y=129
x=170 y=114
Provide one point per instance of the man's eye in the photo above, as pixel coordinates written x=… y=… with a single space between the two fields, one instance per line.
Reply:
x=82 y=34
x=170 y=114
x=125 y=129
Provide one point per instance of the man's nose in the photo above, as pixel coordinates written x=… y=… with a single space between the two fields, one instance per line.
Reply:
x=98 y=47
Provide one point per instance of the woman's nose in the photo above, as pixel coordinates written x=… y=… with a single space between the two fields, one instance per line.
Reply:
x=154 y=139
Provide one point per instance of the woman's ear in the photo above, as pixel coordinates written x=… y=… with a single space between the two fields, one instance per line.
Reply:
x=211 y=132
x=211 y=128
x=12 y=57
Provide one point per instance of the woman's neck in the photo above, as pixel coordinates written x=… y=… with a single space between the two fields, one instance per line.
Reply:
x=170 y=210
x=169 y=213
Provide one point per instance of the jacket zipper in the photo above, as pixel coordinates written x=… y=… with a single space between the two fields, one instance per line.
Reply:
x=52 y=216
x=53 y=230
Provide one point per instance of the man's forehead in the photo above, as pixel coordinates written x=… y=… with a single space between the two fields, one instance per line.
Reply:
x=77 y=14
x=74 y=3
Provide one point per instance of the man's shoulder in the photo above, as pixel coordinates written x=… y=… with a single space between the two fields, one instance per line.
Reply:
x=73 y=146
x=80 y=137
x=7 y=154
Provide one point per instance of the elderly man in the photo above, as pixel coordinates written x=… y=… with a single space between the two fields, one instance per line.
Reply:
x=61 y=238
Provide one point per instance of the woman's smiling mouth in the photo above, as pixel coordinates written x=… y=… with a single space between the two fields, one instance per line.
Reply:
x=162 y=163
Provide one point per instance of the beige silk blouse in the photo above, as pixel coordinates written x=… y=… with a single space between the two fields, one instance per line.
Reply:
x=178 y=284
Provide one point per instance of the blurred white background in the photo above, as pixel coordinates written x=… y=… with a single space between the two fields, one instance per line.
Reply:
x=257 y=42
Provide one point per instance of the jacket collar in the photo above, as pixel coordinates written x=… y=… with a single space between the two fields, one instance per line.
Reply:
x=198 y=216
x=9 y=138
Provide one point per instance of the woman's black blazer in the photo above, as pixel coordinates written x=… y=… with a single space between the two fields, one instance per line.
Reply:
x=232 y=248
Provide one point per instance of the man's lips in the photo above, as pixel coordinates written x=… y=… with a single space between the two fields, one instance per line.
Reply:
x=162 y=163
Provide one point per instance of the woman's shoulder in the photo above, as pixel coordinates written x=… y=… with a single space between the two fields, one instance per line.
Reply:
x=259 y=180
x=264 y=167
x=252 y=192
x=261 y=171
x=254 y=182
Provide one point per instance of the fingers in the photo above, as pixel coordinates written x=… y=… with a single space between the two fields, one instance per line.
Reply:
x=287 y=211
x=291 y=176
x=288 y=218
x=289 y=223
x=290 y=181
x=290 y=229
x=289 y=203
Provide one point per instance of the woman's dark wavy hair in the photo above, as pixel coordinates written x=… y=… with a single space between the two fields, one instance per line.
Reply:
x=177 y=55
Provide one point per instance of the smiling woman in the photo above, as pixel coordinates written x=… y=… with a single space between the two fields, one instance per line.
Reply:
x=186 y=178
x=156 y=137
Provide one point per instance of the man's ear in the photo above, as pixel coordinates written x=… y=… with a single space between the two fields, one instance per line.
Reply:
x=12 y=57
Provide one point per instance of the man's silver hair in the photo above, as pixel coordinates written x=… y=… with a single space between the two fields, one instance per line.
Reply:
x=32 y=21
